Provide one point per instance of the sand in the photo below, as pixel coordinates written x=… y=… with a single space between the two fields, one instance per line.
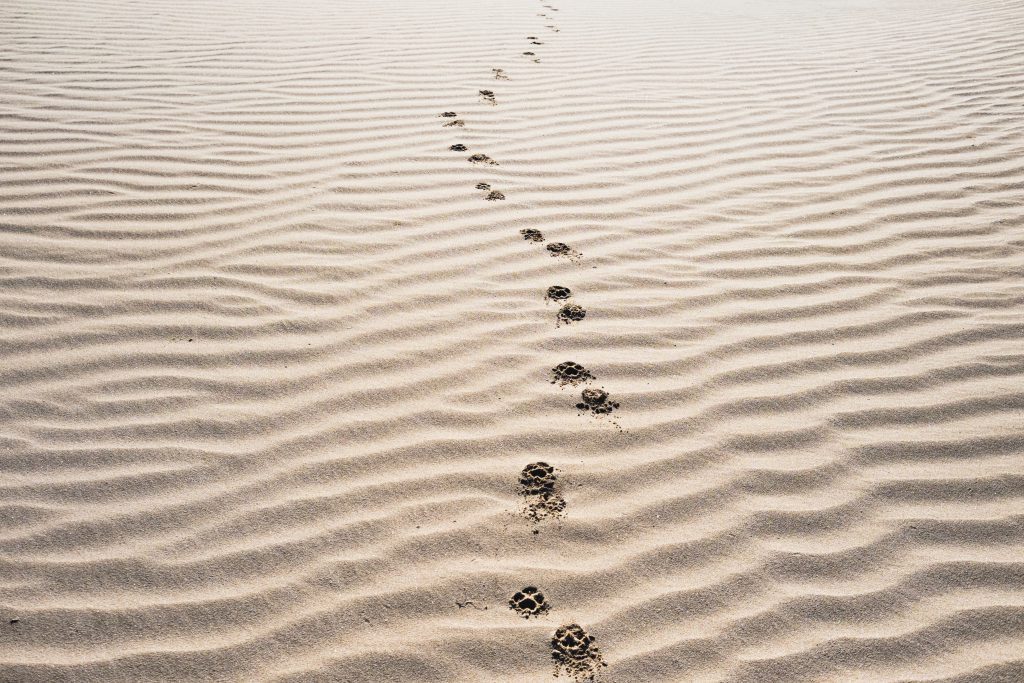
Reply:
x=272 y=363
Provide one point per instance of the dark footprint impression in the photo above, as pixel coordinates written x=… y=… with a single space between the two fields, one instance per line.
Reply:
x=571 y=313
x=562 y=249
x=482 y=159
x=488 y=96
x=529 y=602
x=539 y=485
x=447 y=115
x=532 y=55
x=458 y=148
x=570 y=372
x=500 y=75
x=532 y=235
x=558 y=293
x=457 y=123
x=597 y=402
x=492 y=195
x=574 y=653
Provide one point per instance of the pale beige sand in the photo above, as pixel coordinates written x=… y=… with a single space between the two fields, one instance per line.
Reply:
x=271 y=365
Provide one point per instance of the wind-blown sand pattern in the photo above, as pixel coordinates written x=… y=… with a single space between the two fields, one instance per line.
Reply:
x=271 y=365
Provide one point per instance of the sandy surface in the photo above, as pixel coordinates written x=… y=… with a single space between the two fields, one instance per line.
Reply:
x=272 y=364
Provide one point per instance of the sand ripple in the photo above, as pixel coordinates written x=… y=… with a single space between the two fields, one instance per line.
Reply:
x=272 y=367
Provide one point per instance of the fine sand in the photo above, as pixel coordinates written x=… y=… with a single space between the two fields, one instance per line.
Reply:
x=273 y=363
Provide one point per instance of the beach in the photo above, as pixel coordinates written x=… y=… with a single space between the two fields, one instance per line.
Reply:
x=336 y=334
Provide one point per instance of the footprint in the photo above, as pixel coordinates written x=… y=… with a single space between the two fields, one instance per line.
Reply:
x=529 y=602
x=494 y=195
x=532 y=235
x=483 y=159
x=570 y=372
x=447 y=115
x=571 y=313
x=574 y=652
x=558 y=293
x=562 y=249
x=488 y=96
x=597 y=402
x=500 y=75
x=483 y=186
x=539 y=485
x=457 y=123
x=458 y=148
x=537 y=479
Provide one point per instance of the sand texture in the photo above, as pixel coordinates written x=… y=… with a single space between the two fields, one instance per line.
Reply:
x=284 y=283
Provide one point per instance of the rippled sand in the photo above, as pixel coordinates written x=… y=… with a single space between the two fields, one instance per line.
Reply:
x=272 y=363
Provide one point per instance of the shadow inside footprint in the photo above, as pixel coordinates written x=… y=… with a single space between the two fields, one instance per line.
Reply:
x=483 y=186
x=458 y=148
x=570 y=372
x=571 y=313
x=483 y=159
x=494 y=195
x=532 y=235
x=562 y=249
x=447 y=115
x=488 y=96
x=574 y=652
x=597 y=402
x=558 y=293
x=529 y=602
x=537 y=479
x=457 y=123
x=538 y=484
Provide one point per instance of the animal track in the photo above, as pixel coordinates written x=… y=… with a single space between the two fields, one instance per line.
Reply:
x=532 y=235
x=574 y=652
x=571 y=313
x=562 y=249
x=488 y=96
x=458 y=148
x=483 y=159
x=597 y=402
x=500 y=75
x=538 y=484
x=538 y=479
x=558 y=293
x=570 y=372
x=529 y=602
x=492 y=195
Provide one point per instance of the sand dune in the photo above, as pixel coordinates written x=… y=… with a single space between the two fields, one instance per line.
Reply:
x=273 y=364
